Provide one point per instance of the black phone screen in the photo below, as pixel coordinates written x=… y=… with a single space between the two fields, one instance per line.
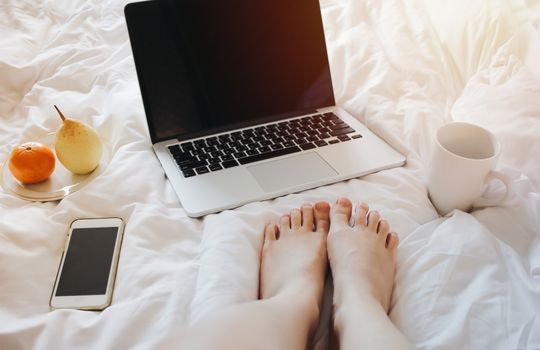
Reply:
x=88 y=260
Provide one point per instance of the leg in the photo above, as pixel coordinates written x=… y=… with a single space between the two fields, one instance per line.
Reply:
x=362 y=260
x=293 y=266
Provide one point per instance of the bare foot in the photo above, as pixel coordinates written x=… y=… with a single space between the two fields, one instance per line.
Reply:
x=294 y=254
x=361 y=257
x=293 y=267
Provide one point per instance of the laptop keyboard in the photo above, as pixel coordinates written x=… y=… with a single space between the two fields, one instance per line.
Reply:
x=215 y=153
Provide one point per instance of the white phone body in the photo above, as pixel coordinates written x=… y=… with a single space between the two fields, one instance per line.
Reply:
x=85 y=278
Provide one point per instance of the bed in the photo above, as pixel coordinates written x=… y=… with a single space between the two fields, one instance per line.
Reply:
x=464 y=281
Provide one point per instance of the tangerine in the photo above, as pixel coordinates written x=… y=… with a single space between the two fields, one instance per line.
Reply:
x=32 y=162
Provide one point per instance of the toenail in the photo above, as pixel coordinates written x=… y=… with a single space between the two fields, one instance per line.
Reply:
x=321 y=206
x=342 y=200
x=373 y=213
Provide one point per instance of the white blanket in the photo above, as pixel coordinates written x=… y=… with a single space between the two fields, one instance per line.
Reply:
x=468 y=281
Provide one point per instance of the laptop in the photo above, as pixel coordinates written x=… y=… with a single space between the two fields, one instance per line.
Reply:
x=239 y=101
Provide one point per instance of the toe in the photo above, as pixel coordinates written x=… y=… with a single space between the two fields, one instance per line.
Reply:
x=373 y=220
x=322 y=217
x=341 y=212
x=285 y=223
x=296 y=219
x=383 y=229
x=270 y=233
x=392 y=241
x=307 y=217
x=362 y=210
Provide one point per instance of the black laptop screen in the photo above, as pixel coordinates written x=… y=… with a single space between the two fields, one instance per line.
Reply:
x=215 y=65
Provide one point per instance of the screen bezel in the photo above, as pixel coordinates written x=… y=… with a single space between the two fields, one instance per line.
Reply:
x=146 y=7
x=89 y=302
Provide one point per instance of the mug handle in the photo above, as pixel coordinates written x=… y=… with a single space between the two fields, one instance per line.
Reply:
x=493 y=175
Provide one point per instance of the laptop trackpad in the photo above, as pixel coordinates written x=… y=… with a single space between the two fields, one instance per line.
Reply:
x=292 y=171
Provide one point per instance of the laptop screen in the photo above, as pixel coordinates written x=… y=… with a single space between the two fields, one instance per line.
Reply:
x=213 y=65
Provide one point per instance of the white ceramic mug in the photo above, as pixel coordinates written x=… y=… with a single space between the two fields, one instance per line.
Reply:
x=462 y=165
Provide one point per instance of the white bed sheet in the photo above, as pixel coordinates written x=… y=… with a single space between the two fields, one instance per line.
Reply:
x=469 y=281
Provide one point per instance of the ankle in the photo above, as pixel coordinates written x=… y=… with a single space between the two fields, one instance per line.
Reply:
x=299 y=297
x=297 y=302
x=356 y=291
x=351 y=291
x=349 y=305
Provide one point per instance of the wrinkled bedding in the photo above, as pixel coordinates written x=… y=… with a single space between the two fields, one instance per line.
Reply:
x=465 y=281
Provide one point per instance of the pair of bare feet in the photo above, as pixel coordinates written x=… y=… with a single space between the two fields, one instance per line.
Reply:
x=360 y=250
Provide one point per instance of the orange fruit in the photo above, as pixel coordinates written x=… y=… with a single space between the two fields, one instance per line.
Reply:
x=31 y=162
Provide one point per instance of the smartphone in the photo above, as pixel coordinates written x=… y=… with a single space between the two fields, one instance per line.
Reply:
x=85 y=278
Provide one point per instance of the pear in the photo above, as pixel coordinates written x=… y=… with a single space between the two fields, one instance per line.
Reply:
x=77 y=146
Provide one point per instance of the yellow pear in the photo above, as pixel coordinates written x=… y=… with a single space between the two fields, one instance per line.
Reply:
x=77 y=146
